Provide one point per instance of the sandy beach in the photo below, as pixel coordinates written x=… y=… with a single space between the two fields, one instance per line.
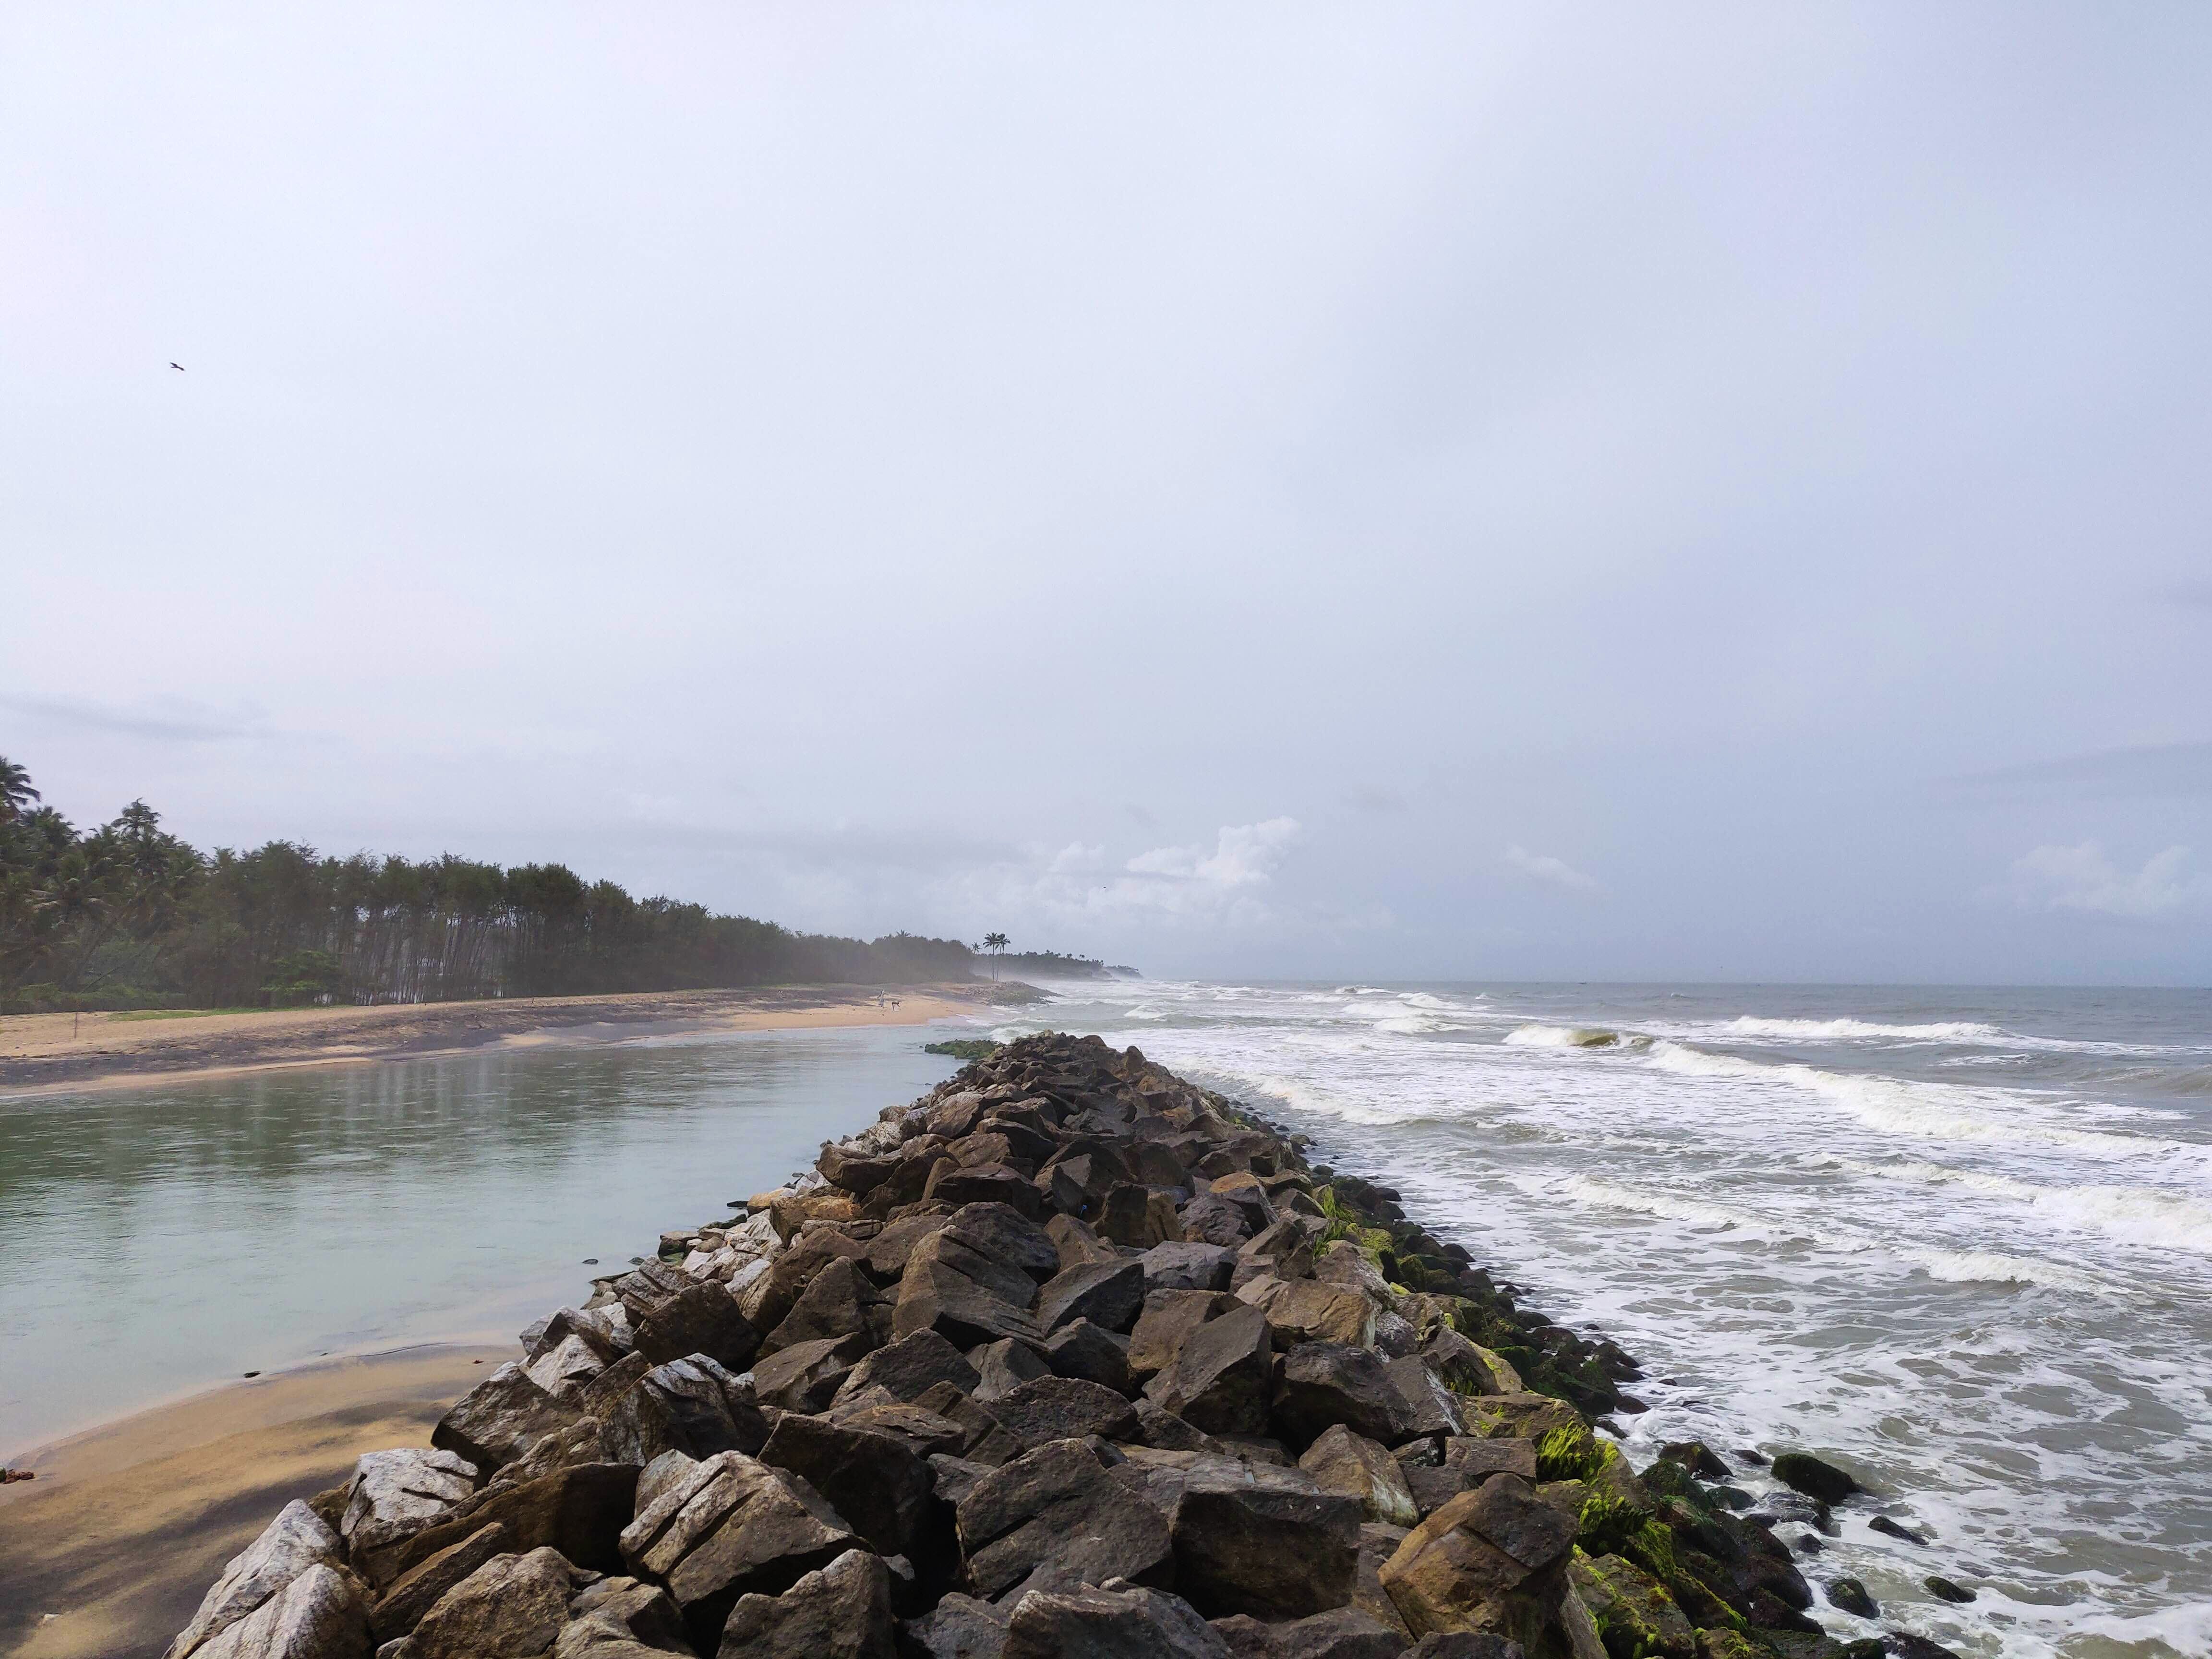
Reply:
x=105 y=1554
x=45 y=1052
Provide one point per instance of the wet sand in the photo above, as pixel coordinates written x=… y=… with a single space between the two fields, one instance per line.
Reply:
x=48 y=1052
x=107 y=1552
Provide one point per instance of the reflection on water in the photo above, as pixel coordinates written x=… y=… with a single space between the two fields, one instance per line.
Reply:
x=154 y=1241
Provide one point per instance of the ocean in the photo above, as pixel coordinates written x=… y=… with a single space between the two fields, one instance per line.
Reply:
x=1960 y=1241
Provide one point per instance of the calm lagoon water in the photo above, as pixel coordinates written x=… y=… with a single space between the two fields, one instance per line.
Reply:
x=156 y=1241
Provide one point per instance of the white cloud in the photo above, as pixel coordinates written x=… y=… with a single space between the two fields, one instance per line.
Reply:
x=2083 y=878
x=1197 y=885
x=1542 y=866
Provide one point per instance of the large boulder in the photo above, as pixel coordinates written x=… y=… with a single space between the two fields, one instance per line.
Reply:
x=1266 y=1541
x=1492 y=1560
x=875 y=1481
x=842 y=1301
x=321 y=1614
x=393 y=1496
x=1355 y=1466
x=415 y=1591
x=1082 y=1623
x=1325 y=1383
x=1053 y=1518
x=1216 y=1219
x=511 y=1608
x=729 y=1526
x=910 y=1367
x=1340 y=1633
x=983 y=1183
x=1308 y=1310
x=294 y=1541
x=1004 y=1366
x=620 y=1618
x=1168 y=1315
x=1139 y=1217
x=693 y=1405
x=805 y=1376
x=1432 y=1410
x=959 y=1627
x=1179 y=1265
x=500 y=1419
x=579 y=1511
x=842 y=1611
x=701 y=1318
x=1064 y=1408
x=1106 y=1293
x=1221 y=1377
x=1081 y=1349
x=1632 y=1608
x=936 y=1295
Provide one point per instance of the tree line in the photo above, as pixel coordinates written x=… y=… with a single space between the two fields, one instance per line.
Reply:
x=128 y=915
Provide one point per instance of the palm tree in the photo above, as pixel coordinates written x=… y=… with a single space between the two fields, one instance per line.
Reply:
x=16 y=791
x=996 y=944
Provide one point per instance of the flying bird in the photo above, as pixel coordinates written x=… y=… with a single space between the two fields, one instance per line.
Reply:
x=180 y=367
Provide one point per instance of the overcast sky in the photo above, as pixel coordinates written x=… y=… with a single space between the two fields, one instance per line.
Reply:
x=1663 y=492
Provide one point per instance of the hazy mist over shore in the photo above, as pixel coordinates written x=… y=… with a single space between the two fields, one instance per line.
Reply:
x=1716 y=493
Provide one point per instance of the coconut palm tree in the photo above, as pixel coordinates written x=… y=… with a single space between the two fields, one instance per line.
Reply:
x=16 y=791
x=996 y=945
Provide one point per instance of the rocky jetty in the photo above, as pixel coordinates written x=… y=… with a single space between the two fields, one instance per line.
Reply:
x=1068 y=1357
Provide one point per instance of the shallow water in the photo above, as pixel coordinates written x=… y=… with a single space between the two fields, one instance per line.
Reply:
x=1961 y=1240
x=157 y=1240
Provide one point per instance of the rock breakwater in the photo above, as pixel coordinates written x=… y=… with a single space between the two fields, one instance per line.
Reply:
x=1069 y=1356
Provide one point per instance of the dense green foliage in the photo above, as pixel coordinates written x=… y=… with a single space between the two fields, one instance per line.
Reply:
x=128 y=916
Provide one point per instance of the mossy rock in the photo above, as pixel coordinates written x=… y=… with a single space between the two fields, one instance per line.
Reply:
x=1635 y=1615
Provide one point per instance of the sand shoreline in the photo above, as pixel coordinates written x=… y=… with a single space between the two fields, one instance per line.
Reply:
x=108 y=1551
x=49 y=1054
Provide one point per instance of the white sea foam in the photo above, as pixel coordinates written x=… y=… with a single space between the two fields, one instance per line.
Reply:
x=1995 y=1267
x=1534 y=1036
x=1829 y=1031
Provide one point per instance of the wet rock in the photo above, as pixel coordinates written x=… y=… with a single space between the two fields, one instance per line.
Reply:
x=1352 y=1466
x=842 y=1301
x=395 y=1495
x=417 y=1590
x=1083 y=1350
x=1222 y=1375
x=1851 y=1595
x=1467 y=1367
x=1324 y=1384
x=1003 y=1366
x=296 y=1539
x=319 y=1615
x=1063 y=1408
x=692 y=1405
x=910 y=1367
x=1341 y=1633
x=1904 y=1645
x=1944 y=1590
x=1632 y=1609
x=500 y=1419
x=959 y=1627
x=805 y=1376
x=876 y=1481
x=1527 y=1416
x=1697 y=1458
x=1106 y=1293
x=1264 y=1541
x=1882 y=1523
x=842 y=1610
x=1179 y=1265
x=1493 y=1559
x=511 y=1608
x=1812 y=1477
x=1775 y=1508
x=1053 y=1518
x=1101 y=1623
x=580 y=1511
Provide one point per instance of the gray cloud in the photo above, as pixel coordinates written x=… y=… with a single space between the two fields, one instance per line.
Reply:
x=829 y=467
